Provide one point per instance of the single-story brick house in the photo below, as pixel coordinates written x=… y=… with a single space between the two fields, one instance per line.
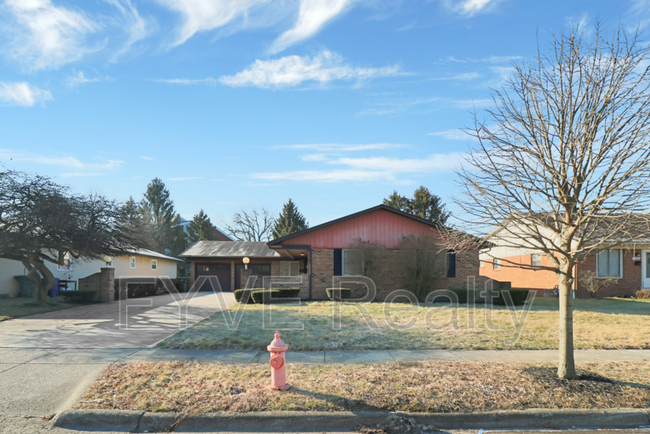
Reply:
x=139 y=263
x=321 y=252
x=628 y=263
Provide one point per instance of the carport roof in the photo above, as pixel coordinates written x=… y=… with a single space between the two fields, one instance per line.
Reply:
x=229 y=249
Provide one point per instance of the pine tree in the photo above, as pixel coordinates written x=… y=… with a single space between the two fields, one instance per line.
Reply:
x=200 y=228
x=424 y=204
x=290 y=221
x=158 y=211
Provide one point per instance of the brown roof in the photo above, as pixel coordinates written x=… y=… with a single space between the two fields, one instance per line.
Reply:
x=229 y=249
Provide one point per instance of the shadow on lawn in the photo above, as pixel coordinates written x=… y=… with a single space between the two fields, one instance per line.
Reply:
x=625 y=306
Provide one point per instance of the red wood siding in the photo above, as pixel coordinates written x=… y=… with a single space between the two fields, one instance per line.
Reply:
x=379 y=226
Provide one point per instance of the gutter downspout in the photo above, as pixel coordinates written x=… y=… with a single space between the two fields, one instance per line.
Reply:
x=310 y=269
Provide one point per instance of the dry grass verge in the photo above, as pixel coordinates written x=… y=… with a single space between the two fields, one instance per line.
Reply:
x=192 y=387
x=599 y=324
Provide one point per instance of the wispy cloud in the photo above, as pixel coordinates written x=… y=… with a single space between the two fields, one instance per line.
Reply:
x=288 y=71
x=456 y=134
x=144 y=157
x=396 y=106
x=136 y=27
x=205 y=15
x=463 y=76
x=489 y=59
x=312 y=16
x=80 y=78
x=185 y=178
x=44 y=35
x=469 y=7
x=187 y=81
x=22 y=94
x=369 y=169
x=338 y=147
x=64 y=162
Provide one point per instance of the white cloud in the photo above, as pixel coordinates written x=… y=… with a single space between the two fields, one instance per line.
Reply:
x=456 y=134
x=80 y=78
x=463 y=76
x=338 y=147
x=371 y=169
x=186 y=81
x=312 y=16
x=205 y=15
x=144 y=157
x=185 y=178
x=469 y=7
x=67 y=162
x=44 y=35
x=135 y=25
x=294 y=70
x=22 y=94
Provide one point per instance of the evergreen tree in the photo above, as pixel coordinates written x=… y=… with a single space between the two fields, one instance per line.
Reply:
x=200 y=228
x=290 y=221
x=158 y=211
x=136 y=223
x=424 y=204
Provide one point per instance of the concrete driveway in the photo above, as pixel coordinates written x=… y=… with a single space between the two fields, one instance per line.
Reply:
x=135 y=323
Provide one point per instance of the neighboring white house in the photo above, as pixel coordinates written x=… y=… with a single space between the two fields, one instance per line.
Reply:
x=140 y=263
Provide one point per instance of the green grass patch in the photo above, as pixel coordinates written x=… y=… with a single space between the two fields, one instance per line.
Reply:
x=599 y=324
x=11 y=308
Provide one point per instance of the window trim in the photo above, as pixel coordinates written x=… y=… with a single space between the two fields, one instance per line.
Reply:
x=496 y=264
x=290 y=268
x=481 y=263
x=59 y=268
x=134 y=264
x=620 y=264
x=154 y=264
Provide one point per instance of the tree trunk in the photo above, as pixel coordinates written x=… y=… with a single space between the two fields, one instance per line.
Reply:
x=41 y=276
x=566 y=368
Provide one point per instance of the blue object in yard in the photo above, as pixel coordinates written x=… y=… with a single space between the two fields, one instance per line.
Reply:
x=54 y=291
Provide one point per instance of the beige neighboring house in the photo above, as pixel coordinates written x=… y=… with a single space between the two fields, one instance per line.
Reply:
x=139 y=263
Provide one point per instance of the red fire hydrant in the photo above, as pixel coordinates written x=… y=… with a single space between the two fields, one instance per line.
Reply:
x=278 y=365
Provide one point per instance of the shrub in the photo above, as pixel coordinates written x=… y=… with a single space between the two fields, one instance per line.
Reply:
x=518 y=296
x=265 y=296
x=84 y=296
x=288 y=292
x=245 y=295
x=338 y=293
x=643 y=294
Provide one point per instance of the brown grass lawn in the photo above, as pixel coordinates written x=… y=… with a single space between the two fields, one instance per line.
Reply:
x=599 y=324
x=20 y=306
x=191 y=387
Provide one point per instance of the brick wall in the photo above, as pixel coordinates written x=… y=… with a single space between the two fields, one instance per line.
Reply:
x=519 y=277
x=103 y=283
x=627 y=286
x=467 y=264
x=304 y=284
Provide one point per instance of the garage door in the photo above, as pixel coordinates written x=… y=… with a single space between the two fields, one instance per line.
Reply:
x=221 y=271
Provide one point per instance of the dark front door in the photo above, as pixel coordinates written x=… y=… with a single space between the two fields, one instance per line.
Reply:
x=259 y=270
x=221 y=271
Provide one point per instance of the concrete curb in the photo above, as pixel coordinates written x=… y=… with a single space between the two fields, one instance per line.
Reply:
x=312 y=421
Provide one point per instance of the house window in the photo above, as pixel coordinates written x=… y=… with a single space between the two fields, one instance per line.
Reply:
x=496 y=264
x=154 y=264
x=609 y=263
x=67 y=262
x=132 y=262
x=481 y=263
x=352 y=263
x=451 y=262
x=536 y=260
x=289 y=268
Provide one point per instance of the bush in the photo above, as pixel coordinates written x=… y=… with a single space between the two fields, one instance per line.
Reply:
x=339 y=293
x=643 y=294
x=265 y=296
x=288 y=292
x=244 y=295
x=518 y=297
x=79 y=296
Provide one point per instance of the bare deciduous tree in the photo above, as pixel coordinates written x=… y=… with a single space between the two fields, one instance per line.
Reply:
x=40 y=221
x=252 y=225
x=590 y=281
x=563 y=161
x=423 y=260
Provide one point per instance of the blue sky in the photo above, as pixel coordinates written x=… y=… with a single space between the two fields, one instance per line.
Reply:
x=245 y=103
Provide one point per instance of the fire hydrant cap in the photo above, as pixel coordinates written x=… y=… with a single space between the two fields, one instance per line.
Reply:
x=277 y=345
